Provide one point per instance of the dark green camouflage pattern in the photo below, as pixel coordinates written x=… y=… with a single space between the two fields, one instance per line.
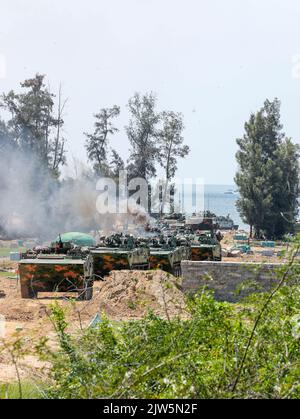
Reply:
x=55 y=275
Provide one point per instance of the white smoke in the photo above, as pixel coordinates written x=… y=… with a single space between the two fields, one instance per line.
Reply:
x=33 y=204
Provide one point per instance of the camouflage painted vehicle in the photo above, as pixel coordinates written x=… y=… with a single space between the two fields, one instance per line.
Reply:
x=167 y=254
x=118 y=252
x=56 y=250
x=205 y=246
x=56 y=275
x=200 y=223
x=168 y=260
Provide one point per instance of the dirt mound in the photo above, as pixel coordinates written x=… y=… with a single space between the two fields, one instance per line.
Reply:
x=126 y=294
x=123 y=295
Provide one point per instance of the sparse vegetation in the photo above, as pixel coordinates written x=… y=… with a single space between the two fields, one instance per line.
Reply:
x=216 y=350
x=195 y=358
x=5 y=251
x=220 y=350
x=29 y=391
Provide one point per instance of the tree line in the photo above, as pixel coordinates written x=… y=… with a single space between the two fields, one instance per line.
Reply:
x=36 y=127
x=268 y=161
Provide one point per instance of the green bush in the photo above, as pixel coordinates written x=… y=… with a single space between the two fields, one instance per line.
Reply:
x=221 y=350
x=195 y=358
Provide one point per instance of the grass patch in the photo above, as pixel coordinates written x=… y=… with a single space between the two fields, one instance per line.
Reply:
x=29 y=391
x=5 y=251
x=9 y=275
x=4 y=274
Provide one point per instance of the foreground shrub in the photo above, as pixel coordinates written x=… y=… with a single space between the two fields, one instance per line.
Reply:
x=203 y=357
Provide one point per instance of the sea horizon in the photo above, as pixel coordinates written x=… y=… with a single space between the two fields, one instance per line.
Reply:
x=221 y=200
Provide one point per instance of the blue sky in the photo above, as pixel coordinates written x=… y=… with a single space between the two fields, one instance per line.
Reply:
x=215 y=61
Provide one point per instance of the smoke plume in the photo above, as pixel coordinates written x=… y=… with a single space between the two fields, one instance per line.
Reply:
x=33 y=204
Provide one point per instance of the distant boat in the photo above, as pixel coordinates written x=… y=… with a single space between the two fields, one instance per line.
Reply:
x=229 y=192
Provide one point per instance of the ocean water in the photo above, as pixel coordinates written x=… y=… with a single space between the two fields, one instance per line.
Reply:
x=216 y=200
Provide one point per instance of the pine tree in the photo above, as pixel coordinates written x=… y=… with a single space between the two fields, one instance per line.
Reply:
x=97 y=142
x=268 y=174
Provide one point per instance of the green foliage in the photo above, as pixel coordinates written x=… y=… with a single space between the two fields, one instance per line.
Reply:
x=219 y=350
x=142 y=132
x=155 y=137
x=171 y=145
x=171 y=148
x=35 y=127
x=116 y=164
x=195 y=358
x=268 y=174
x=97 y=143
x=30 y=391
